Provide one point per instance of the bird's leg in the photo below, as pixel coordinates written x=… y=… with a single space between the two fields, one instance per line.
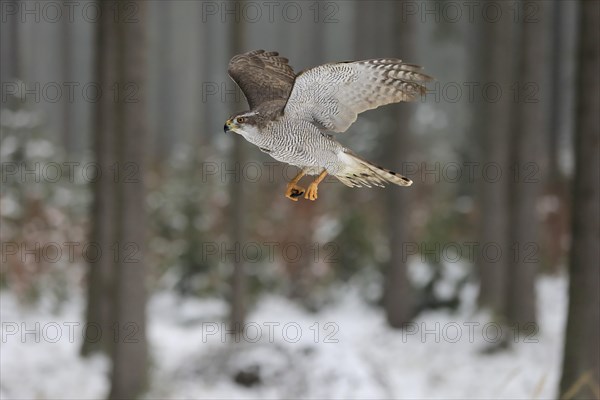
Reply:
x=294 y=191
x=311 y=193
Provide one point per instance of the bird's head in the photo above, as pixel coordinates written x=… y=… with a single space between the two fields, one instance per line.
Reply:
x=245 y=124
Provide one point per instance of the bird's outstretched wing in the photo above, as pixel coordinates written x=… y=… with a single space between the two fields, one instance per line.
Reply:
x=332 y=95
x=262 y=76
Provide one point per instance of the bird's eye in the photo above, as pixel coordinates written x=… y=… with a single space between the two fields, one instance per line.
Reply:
x=240 y=120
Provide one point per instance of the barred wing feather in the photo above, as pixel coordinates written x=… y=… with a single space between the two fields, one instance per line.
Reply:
x=332 y=95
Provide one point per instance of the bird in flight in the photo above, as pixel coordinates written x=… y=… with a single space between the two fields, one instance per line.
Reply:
x=292 y=117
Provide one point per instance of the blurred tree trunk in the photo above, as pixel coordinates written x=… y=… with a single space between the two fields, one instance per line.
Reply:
x=10 y=69
x=67 y=29
x=166 y=91
x=103 y=220
x=116 y=283
x=398 y=296
x=529 y=165
x=581 y=363
x=367 y=24
x=236 y=207
x=130 y=352
x=556 y=226
x=493 y=250
x=477 y=72
x=557 y=99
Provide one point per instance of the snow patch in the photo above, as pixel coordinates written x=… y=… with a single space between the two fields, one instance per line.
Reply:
x=346 y=350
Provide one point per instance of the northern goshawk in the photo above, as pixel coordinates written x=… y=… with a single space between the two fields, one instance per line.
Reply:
x=292 y=116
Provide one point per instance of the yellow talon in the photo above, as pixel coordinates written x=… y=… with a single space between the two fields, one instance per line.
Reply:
x=311 y=193
x=294 y=191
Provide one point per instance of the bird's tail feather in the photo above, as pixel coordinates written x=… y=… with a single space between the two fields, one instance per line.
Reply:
x=360 y=172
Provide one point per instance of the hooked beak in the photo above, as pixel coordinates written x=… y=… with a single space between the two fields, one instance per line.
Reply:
x=228 y=126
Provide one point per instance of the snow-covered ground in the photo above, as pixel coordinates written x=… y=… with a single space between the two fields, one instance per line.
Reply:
x=346 y=350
